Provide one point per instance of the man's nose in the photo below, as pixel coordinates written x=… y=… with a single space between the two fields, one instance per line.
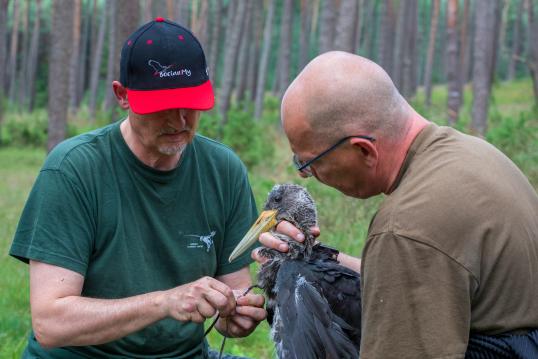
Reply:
x=177 y=118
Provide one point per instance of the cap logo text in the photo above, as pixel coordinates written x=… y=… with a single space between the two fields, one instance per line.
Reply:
x=165 y=71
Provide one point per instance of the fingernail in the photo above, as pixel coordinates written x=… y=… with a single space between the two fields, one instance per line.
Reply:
x=300 y=237
x=283 y=247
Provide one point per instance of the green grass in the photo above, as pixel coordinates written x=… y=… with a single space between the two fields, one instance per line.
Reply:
x=343 y=221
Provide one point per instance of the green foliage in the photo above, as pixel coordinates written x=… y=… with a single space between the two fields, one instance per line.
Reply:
x=27 y=129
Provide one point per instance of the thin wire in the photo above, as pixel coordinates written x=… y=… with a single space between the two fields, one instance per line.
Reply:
x=218 y=316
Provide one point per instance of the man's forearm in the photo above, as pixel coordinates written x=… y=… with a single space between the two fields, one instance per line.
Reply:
x=350 y=262
x=76 y=320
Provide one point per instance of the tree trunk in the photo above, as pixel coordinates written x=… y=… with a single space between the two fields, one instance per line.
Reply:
x=33 y=57
x=386 y=41
x=327 y=25
x=82 y=82
x=148 y=11
x=254 y=49
x=304 y=42
x=182 y=12
x=61 y=40
x=3 y=58
x=452 y=65
x=264 y=61
x=112 y=6
x=516 y=42
x=235 y=23
x=12 y=65
x=532 y=61
x=285 y=48
x=95 y=70
x=214 y=42
x=410 y=49
x=243 y=60
x=75 y=57
x=431 y=53
x=400 y=44
x=345 y=26
x=464 y=41
x=200 y=26
x=358 y=26
x=23 y=68
x=483 y=63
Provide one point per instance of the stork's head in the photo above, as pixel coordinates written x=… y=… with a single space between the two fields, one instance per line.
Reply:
x=294 y=204
x=287 y=202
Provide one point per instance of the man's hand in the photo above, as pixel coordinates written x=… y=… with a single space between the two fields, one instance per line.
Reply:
x=249 y=312
x=199 y=300
x=271 y=241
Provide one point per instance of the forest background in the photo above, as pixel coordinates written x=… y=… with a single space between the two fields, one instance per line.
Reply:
x=470 y=64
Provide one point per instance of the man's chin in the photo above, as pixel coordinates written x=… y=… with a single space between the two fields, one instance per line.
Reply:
x=172 y=150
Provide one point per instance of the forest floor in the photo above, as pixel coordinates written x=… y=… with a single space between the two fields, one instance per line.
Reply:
x=344 y=221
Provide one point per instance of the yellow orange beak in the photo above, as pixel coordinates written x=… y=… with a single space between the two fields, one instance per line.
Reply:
x=264 y=223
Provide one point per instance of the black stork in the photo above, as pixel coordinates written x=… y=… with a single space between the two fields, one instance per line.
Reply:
x=314 y=303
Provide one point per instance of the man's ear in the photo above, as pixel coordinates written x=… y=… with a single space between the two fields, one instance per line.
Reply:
x=368 y=150
x=121 y=94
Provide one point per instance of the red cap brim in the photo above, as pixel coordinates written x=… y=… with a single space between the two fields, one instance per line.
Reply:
x=199 y=97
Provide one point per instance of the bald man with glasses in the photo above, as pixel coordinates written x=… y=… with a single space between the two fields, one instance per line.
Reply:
x=450 y=263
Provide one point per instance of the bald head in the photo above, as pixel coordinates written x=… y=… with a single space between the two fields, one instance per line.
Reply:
x=340 y=94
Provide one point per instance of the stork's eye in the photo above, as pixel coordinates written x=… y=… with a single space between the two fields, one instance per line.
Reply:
x=278 y=199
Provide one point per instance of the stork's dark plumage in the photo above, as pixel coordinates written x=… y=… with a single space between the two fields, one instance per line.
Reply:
x=314 y=305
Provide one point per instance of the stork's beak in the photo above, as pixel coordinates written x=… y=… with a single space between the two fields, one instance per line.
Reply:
x=265 y=222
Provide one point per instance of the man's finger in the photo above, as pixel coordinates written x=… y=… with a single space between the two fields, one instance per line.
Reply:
x=255 y=313
x=270 y=241
x=257 y=257
x=254 y=300
x=290 y=230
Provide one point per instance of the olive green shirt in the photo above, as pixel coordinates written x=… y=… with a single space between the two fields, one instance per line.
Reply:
x=130 y=229
x=452 y=250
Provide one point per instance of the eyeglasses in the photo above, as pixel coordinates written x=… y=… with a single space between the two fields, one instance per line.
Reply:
x=304 y=167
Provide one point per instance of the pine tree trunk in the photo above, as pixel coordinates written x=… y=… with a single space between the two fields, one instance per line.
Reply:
x=264 y=61
x=33 y=57
x=243 y=61
x=75 y=53
x=112 y=6
x=82 y=81
x=358 y=26
x=410 y=49
x=284 y=69
x=400 y=44
x=464 y=42
x=95 y=70
x=483 y=63
x=214 y=45
x=148 y=12
x=182 y=12
x=532 y=61
x=386 y=41
x=235 y=24
x=3 y=59
x=304 y=42
x=431 y=53
x=254 y=50
x=23 y=68
x=452 y=64
x=61 y=40
x=327 y=25
x=516 y=42
x=345 y=26
x=12 y=65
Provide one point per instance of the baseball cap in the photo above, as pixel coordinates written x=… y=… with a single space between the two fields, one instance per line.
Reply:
x=163 y=67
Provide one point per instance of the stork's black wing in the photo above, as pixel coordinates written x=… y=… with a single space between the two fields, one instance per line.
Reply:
x=304 y=324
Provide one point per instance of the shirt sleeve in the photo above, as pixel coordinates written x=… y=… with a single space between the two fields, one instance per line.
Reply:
x=241 y=216
x=56 y=226
x=416 y=300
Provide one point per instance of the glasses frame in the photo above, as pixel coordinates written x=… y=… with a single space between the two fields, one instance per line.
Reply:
x=305 y=167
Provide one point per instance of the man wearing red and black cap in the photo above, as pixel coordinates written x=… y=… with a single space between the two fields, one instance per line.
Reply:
x=128 y=228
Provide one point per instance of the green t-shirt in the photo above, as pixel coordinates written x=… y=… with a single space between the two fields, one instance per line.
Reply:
x=130 y=229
